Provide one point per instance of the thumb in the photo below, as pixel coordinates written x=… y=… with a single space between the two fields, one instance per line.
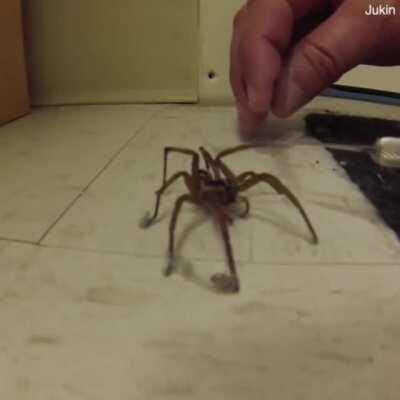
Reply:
x=349 y=37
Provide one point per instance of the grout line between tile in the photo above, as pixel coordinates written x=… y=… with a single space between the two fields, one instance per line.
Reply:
x=199 y=259
x=94 y=179
x=14 y=240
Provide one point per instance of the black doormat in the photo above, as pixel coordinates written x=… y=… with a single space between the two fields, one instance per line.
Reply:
x=380 y=185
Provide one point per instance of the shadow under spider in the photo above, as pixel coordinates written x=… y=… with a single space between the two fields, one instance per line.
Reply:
x=188 y=273
x=347 y=209
x=189 y=228
x=284 y=226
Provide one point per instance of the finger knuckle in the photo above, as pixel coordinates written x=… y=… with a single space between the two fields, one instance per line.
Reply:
x=324 y=62
x=238 y=18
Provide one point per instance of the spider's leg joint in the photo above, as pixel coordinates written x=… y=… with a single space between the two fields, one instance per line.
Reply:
x=145 y=221
x=226 y=283
x=170 y=267
x=241 y=207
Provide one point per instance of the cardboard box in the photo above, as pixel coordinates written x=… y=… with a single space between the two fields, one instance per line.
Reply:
x=14 y=99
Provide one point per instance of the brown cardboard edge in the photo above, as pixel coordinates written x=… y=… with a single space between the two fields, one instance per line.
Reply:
x=25 y=101
x=15 y=117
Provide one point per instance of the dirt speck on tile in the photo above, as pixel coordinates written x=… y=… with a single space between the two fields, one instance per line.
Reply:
x=345 y=358
x=169 y=390
x=109 y=295
x=393 y=330
x=251 y=308
x=44 y=340
x=24 y=385
x=337 y=291
x=303 y=313
x=164 y=344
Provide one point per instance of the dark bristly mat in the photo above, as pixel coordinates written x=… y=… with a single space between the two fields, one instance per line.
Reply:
x=380 y=185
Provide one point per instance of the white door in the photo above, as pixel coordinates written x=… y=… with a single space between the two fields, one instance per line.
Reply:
x=101 y=51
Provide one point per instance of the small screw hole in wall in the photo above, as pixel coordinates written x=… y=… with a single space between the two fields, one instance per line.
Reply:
x=212 y=75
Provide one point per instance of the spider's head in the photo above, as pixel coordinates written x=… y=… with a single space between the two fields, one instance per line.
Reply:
x=226 y=192
x=231 y=193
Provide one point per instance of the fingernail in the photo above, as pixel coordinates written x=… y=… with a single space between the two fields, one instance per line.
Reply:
x=252 y=94
x=245 y=122
x=242 y=113
x=295 y=97
x=248 y=123
x=255 y=104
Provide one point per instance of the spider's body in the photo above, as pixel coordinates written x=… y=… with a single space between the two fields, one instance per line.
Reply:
x=218 y=191
x=216 y=188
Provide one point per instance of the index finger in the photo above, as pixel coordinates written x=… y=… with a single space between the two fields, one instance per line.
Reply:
x=260 y=41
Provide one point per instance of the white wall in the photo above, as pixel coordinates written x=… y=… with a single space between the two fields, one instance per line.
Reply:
x=215 y=30
x=99 y=51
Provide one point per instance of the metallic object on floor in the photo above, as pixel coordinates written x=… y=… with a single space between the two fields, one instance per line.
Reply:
x=385 y=151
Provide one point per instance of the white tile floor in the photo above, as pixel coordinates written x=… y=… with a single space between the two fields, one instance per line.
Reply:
x=86 y=314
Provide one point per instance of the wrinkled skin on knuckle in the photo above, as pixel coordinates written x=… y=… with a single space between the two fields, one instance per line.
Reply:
x=325 y=64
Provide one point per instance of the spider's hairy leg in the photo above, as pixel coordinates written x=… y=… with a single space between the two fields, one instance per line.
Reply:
x=172 y=226
x=205 y=174
x=280 y=188
x=229 y=175
x=239 y=180
x=210 y=163
x=227 y=283
x=206 y=158
x=188 y=152
x=246 y=203
x=223 y=213
x=236 y=149
x=147 y=220
x=245 y=175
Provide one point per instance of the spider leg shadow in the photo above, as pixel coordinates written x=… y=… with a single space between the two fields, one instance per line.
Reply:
x=282 y=224
x=346 y=208
x=238 y=210
x=144 y=221
x=184 y=267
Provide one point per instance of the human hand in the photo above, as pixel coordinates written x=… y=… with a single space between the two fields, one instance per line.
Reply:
x=284 y=53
